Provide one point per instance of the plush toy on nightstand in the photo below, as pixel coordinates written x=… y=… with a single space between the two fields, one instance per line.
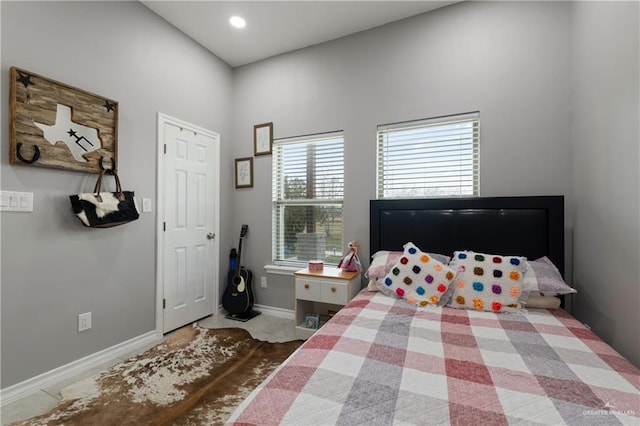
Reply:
x=350 y=261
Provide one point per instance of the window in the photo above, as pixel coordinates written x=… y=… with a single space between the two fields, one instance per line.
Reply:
x=429 y=158
x=308 y=188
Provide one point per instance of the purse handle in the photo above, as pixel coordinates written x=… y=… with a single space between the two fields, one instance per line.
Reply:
x=98 y=186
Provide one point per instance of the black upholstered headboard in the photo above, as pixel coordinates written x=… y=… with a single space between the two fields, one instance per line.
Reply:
x=525 y=226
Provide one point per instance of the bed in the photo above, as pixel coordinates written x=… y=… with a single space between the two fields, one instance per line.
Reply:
x=384 y=360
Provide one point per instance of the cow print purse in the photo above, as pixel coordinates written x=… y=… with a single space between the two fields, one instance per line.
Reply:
x=105 y=209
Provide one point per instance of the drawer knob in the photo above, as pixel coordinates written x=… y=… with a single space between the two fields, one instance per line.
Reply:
x=333 y=289
x=306 y=286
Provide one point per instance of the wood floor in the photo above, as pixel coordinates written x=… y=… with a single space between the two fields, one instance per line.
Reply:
x=262 y=327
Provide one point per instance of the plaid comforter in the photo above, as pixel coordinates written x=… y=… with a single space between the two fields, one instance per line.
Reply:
x=382 y=361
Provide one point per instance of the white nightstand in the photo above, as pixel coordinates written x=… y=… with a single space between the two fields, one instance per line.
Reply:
x=321 y=292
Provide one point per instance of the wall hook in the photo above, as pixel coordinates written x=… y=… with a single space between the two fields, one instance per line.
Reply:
x=101 y=164
x=36 y=154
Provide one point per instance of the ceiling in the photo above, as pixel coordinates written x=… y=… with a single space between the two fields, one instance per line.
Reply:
x=275 y=27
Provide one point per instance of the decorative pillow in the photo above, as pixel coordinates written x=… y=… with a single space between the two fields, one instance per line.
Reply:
x=540 y=293
x=529 y=282
x=487 y=282
x=381 y=264
x=384 y=260
x=539 y=300
x=548 y=278
x=418 y=277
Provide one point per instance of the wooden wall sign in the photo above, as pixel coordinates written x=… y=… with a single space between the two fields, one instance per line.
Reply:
x=56 y=125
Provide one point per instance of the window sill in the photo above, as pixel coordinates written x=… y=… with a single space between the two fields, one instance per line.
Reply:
x=282 y=270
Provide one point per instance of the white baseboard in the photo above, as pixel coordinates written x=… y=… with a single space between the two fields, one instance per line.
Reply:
x=57 y=375
x=275 y=312
x=268 y=310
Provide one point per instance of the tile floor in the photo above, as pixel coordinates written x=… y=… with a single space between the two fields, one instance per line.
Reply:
x=262 y=327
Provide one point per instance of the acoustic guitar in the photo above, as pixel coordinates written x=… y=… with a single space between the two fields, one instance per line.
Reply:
x=238 y=295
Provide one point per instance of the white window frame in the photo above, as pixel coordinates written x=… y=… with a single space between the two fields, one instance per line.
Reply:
x=278 y=191
x=434 y=157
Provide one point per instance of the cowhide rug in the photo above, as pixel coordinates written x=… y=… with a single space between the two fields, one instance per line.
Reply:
x=197 y=376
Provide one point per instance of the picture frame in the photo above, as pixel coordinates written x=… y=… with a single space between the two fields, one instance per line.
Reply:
x=262 y=139
x=244 y=172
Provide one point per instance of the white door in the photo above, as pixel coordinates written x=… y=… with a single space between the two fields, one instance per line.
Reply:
x=188 y=261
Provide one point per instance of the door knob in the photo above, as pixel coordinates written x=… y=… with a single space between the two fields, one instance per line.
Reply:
x=211 y=236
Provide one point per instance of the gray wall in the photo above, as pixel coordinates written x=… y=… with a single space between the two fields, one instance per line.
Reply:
x=606 y=177
x=509 y=60
x=52 y=267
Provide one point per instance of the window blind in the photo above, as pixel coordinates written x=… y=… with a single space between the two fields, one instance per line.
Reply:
x=308 y=188
x=429 y=158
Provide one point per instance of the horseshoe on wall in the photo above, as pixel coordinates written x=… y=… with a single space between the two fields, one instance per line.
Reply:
x=101 y=164
x=36 y=154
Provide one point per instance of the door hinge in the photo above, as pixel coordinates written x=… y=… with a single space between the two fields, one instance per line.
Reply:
x=165 y=148
x=164 y=226
x=164 y=303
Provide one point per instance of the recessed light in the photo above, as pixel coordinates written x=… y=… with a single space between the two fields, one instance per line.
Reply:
x=237 y=22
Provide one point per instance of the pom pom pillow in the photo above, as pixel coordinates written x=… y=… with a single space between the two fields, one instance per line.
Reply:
x=487 y=282
x=418 y=277
x=384 y=260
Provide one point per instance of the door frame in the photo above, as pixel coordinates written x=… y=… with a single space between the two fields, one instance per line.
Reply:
x=160 y=206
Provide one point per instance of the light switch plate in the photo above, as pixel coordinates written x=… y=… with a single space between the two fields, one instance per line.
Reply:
x=146 y=205
x=11 y=201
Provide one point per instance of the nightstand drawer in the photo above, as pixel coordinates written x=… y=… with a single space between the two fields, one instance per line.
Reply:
x=332 y=292
x=308 y=289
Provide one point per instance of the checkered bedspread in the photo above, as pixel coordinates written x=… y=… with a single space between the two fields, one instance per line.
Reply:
x=381 y=361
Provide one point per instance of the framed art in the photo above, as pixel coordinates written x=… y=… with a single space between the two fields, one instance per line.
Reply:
x=262 y=138
x=244 y=172
x=52 y=124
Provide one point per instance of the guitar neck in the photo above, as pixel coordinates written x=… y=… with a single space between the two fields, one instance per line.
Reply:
x=238 y=264
x=243 y=232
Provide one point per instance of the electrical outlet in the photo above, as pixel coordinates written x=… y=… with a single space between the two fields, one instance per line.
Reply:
x=263 y=282
x=84 y=321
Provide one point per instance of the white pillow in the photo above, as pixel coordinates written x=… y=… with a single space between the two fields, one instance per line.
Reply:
x=543 y=302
